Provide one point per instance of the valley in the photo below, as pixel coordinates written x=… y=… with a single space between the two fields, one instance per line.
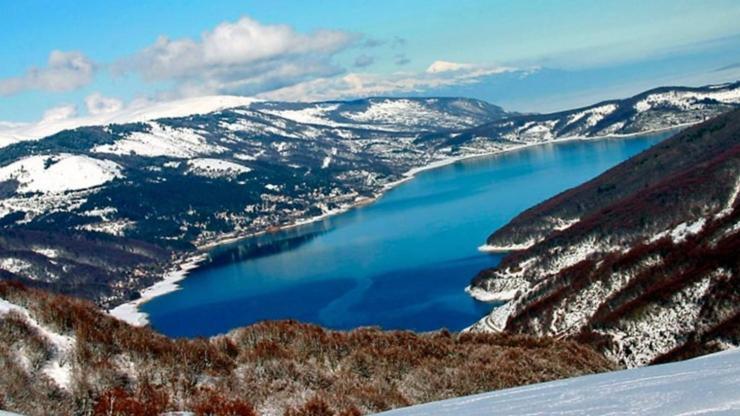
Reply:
x=263 y=166
x=400 y=263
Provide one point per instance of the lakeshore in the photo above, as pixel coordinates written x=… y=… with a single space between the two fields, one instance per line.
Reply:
x=131 y=311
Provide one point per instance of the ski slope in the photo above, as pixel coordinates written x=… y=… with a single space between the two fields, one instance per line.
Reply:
x=708 y=385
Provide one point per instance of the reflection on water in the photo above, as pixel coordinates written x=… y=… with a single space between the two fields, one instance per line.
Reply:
x=401 y=262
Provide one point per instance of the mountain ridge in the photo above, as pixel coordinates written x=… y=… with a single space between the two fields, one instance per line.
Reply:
x=645 y=266
x=263 y=169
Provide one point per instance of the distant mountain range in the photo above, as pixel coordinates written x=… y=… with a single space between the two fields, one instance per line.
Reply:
x=651 y=110
x=641 y=261
x=102 y=211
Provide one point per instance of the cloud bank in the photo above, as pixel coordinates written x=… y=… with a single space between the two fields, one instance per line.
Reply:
x=354 y=85
x=244 y=57
x=65 y=71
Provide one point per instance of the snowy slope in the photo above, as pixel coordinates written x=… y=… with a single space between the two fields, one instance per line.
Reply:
x=59 y=173
x=641 y=261
x=12 y=133
x=58 y=367
x=390 y=114
x=265 y=164
x=655 y=109
x=708 y=385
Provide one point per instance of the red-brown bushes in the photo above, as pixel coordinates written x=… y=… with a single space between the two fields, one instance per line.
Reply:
x=212 y=403
x=316 y=406
x=119 y=402
x=269 y=364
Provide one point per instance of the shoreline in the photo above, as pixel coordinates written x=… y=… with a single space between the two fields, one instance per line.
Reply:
x=129 y=311
x=486 y=248
x=482 y=295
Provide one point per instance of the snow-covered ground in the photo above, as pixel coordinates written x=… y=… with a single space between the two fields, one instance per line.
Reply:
x=215 y=168
x=59 y=173
x=162 y=140
x=14 y=132
x=58 y=367
x=708 y=385
x=129 y=312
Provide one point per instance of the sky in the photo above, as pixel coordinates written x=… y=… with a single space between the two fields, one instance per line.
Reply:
x=64 y=59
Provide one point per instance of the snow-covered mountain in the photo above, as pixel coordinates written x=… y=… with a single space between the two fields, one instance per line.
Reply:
x=139 y=187
x=641 y=261
x=702 y=386
x=262 y=165
x=391 y=114
x=655 y=109
x=144 y=111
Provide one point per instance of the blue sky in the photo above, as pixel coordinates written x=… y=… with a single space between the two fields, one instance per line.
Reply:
x=524 y=55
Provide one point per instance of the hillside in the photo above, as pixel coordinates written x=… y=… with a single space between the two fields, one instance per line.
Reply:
x=61 y=355
x=706 y=385
x=104 y=211
x=116 y=205
x=641 y=261
x=655 y=109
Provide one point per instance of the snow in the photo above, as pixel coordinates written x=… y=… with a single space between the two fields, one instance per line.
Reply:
x=242 y=156
x=702 y=386
x=15 y=265
x=59 y=173
x=326 y=162
x=660 y=327
x=680 y=232
x=162 y=140
x=47 y=252
x=112 y=227
x=310 y=115
x=495 y=321
x=58 y=368
x=729 y=206
x=215 y=168
x=38 y=204
x=593 y=115
x=137 y=112
x=490 y=296
x=404 y=113
x=130 y=313
x=487 y=248
x=687 y=99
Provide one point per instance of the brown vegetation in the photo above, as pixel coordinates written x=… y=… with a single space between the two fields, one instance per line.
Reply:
x=280 y=367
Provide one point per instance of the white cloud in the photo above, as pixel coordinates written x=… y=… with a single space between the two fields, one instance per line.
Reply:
x=65 y=71
x=62 y=112
x=242 y=57
x=446 y=66
x=96 y=104
x=356 y=85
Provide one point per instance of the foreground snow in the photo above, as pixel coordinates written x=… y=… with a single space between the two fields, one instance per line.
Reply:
x=58 y=367
x=708 y=385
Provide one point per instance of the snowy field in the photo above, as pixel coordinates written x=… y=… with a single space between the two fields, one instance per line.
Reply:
x=708 y=385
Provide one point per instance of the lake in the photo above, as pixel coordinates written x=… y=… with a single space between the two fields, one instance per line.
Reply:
x=400 y=263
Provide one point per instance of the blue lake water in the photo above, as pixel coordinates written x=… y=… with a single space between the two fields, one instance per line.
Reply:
x=400 y=263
